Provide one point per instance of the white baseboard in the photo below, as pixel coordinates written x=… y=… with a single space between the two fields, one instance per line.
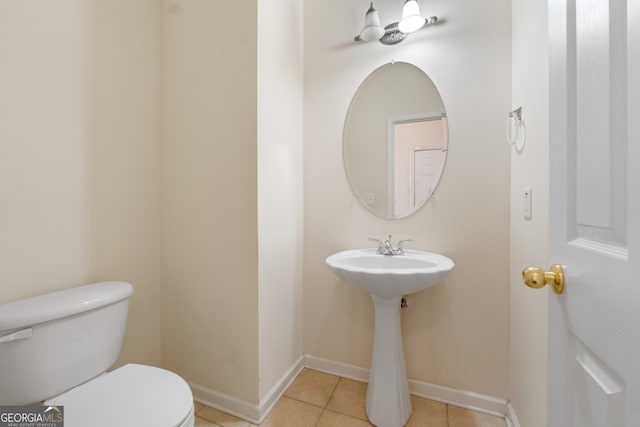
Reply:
x=462 y=398
x=340 y=369
x=271 y=398
x=511 y=418
x=229 y=404
x=256 y=413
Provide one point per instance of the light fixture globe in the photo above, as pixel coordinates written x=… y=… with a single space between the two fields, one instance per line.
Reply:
x=412 y=20
x=372 y=30
x=395 y=32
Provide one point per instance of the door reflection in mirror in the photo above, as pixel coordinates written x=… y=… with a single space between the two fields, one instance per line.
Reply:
x=417 y=148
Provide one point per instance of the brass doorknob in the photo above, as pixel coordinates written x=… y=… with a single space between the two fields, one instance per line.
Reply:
x=536 y=278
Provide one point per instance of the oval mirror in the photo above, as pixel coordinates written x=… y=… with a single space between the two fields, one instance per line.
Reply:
x=395 y=140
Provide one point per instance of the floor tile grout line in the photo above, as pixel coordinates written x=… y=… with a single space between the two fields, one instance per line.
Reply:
x=339 y=413
x=324 y=408
x=319 y=418
x=301 y=401
x=335 y=387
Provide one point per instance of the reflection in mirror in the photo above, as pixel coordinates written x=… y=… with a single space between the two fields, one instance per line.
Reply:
x=395 y=140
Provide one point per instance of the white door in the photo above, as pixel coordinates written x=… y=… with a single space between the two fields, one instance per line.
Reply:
x=426 y=169
x=594 y=326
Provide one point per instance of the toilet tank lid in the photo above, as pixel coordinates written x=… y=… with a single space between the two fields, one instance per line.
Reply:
x=57 y=305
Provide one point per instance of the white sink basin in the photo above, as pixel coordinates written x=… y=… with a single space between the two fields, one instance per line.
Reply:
x=390 y=276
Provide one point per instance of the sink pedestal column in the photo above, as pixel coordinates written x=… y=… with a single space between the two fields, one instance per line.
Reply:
x=388 y=401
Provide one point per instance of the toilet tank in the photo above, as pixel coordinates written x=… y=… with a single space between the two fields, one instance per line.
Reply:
x=53 y=342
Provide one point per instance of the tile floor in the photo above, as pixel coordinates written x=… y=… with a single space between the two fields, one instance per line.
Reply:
x=316 y=399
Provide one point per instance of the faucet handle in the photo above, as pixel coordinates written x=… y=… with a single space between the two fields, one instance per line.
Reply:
x=380 y=250
x=378 y=241
x=401 y=242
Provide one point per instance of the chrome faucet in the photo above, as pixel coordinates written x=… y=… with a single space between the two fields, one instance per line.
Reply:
x=386 y=247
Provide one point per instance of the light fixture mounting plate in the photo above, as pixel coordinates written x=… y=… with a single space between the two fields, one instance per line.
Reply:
x=392 y=35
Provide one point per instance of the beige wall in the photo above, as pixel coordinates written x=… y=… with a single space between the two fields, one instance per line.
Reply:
x=78 y=164
x=280 y=198
x=209 y=183
x=81 y=175
x=457 y=333
x=232 y=200
x=529 y=242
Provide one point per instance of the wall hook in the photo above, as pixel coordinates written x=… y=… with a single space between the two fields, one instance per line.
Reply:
x=514 y=125
x=517 y=112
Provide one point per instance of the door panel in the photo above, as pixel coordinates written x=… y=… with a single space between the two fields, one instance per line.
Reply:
x=594 y=327
x=600 y=396
x=598 y=129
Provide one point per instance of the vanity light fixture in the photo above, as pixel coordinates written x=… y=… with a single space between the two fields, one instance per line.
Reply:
x=395 y=32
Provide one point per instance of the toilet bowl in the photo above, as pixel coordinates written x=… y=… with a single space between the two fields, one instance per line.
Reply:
x=56 y=348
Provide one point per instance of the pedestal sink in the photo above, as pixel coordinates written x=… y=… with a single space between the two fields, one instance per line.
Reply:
x=387 y=278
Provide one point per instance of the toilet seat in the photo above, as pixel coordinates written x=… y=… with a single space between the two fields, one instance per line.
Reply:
x=133 y=395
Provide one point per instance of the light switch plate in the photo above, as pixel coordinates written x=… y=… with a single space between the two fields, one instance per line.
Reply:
x=370 y=199
x=526 y=203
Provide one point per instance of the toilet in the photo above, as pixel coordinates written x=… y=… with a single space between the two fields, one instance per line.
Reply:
x=56 y=348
